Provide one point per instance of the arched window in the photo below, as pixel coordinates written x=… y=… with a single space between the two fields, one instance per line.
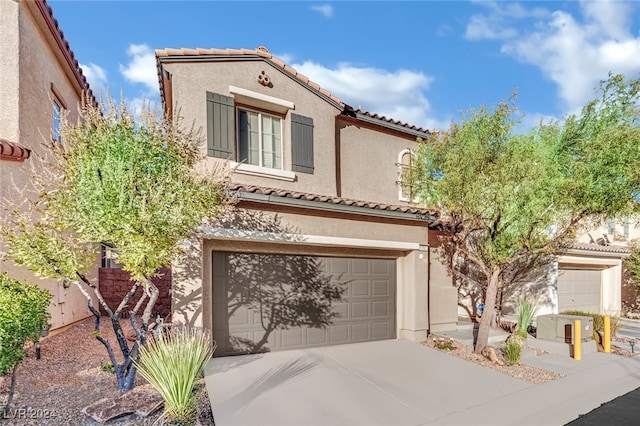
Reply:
x=405 y=190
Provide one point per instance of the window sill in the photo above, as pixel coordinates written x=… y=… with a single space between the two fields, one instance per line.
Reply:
x=249 y=169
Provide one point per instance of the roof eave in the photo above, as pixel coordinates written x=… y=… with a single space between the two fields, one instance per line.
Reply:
x=73 y=65
x=595 y=253
x=340 y=208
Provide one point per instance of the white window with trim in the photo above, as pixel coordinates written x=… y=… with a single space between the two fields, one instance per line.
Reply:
x=259 y=134
x=260 y=139
x=58 y=107
x=57 y=119
x=405 y=189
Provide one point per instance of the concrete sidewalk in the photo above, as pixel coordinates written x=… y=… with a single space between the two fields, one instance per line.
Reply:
x=396 y=382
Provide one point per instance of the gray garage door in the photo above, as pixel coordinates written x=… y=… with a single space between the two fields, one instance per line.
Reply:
x=265 y=302
x=579 y=290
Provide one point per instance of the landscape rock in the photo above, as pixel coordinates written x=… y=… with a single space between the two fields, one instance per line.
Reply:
x=141 y=400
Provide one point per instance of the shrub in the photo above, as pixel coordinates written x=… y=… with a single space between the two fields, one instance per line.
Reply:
x=512 y=350
x=108 y=367
x=598 y=322
x=171 y=364
x=526 y=309
x=23 y=317
x=444 y=343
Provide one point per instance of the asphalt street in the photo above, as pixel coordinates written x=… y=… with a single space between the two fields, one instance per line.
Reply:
x=624 y=410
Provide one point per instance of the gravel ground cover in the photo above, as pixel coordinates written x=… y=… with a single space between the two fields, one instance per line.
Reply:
x=53 y=390
x=520 y=371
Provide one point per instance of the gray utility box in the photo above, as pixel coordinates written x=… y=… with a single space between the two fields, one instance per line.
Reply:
x=559 y=328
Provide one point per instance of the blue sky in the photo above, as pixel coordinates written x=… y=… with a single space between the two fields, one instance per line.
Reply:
x=422 y=62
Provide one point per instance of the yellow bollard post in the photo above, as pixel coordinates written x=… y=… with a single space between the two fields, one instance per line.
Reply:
x=577 y=340
x=606 y=340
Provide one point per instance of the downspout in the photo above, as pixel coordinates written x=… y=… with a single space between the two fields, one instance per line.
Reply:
x=428 y=283
x=338 y=163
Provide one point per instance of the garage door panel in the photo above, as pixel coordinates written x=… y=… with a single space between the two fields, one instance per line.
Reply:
x=339 y=334
x=342 y=310
x=381 y=309
x=360 y=310
x=579 y=290
x=243 y=316
x=359 y=266
x=292 y=338
x=381 y=330
x=359 y=288
x=360 y=332
x=365 y=312
x=382 y=288
x=317 y=336
x=380 y=267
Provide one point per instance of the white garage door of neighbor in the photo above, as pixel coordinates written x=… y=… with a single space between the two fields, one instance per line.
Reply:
x=267 y=302
x=579 y=290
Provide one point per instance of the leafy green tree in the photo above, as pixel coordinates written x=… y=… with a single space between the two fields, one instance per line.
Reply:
x=23 y=318
x=132 y=184
x=511 y=199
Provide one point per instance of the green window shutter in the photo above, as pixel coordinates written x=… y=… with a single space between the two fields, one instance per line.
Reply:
x=301 y=144
x=220 y=126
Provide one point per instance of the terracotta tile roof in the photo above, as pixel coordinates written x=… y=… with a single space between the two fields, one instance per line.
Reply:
x=263 y=53
x=63 y=44
x=601 y=248
x=238 y=187
x=392 y=121
x=13 y=151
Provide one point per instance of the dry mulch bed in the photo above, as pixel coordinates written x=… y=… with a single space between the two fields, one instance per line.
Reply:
x=53 y=390
x=519 y=371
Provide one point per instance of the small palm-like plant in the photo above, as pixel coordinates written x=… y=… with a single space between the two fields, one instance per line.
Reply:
x=172 y=363
x=526 y=309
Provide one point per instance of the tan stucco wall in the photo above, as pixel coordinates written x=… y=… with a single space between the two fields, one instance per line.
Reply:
x=443 y=293
x=360 y=227
x=412 y=297
x=28 y=121
x=191 y=81
x=368 y=164
x=9 y=71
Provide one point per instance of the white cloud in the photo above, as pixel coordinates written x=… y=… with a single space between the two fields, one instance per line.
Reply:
x=396 y=94
x=486 y=28
x=575 y=52
x=326 y=10
x=142 y=67
x=577 y=55
x=96 y=76
x=499 y=23
x=287 y=58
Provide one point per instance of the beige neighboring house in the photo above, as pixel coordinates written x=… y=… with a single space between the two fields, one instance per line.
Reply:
x=40 y=80
x=588 y=277
x=321 y=199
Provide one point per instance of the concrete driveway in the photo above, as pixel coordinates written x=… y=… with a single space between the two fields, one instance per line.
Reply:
x=390 y=382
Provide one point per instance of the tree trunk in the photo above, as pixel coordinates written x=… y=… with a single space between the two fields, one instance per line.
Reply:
x=488 y=313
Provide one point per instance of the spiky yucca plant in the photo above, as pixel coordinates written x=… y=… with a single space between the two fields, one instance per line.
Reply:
x=526 y=309
x=171 y=364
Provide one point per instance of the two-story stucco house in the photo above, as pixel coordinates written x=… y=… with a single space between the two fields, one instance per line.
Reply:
x=320 y=200
x=40 y=79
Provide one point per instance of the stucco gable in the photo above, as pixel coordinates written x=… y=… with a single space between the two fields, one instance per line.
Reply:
x=262 y=53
